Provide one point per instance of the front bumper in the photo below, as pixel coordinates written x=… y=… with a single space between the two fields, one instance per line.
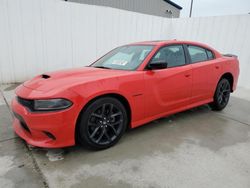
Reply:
x=45 y=129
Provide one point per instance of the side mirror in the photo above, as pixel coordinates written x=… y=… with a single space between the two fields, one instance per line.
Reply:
x=161 y=64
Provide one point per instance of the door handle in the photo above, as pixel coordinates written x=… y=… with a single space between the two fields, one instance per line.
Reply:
x=187 y=75
x=217 y=67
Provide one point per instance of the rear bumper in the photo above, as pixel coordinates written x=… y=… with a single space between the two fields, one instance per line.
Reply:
x=47 y=129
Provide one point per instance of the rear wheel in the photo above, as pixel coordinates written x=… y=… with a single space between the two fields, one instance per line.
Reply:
x=102 y=123
x=222 y=95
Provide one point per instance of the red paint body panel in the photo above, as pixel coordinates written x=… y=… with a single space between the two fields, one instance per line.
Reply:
x=150 y=94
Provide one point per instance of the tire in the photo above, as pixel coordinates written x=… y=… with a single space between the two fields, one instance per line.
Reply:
x=102 y=123
x=222 y=95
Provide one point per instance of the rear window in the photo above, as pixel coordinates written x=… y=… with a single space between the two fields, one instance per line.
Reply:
x=210 y=55
x=197 y=54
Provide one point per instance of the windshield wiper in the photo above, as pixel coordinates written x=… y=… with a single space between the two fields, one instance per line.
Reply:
x=102 y=67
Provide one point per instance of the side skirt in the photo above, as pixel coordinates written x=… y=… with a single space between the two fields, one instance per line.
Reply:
x=152 y=118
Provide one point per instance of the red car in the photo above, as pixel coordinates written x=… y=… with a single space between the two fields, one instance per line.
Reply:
x=126 y=88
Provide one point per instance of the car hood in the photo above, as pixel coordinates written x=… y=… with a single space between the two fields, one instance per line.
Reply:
x=71 y=77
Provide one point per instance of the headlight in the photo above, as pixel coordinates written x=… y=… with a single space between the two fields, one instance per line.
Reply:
x=51 y=104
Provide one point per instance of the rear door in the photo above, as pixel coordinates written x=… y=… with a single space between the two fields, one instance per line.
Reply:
x=206 y=71
x=168 y=89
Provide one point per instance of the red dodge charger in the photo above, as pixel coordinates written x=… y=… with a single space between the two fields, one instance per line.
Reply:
x=126 y=88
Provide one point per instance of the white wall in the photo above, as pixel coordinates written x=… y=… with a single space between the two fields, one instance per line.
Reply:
x=45 y=35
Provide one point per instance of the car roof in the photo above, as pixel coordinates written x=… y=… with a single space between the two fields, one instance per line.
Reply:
x=174 y=41
x=154 y=42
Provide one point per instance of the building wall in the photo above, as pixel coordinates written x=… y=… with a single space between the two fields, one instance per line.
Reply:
x=152 y=7
x=46 y=35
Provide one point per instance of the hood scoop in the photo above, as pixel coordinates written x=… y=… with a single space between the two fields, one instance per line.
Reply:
x=45 y=76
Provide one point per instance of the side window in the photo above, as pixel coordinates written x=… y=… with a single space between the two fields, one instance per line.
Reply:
x=197 y=54
x=173 y=55
x=210 y=55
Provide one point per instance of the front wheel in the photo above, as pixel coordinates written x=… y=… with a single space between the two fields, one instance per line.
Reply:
x=222 y=95
x=102 y=123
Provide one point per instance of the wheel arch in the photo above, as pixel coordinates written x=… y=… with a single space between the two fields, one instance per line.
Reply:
x=230 y=78
x=117 y=96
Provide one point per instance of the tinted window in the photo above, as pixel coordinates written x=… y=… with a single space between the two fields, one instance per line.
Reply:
x=173 y=55
x=210 y=55
x=197 y=54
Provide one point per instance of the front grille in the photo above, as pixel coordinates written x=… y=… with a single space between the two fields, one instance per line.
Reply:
x=22 y=122
x=26 y=102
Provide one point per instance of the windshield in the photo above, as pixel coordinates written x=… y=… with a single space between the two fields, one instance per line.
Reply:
x=124 y=58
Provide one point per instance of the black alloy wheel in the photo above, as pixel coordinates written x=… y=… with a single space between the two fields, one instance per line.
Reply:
x=222 y=95
x=103 y=123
